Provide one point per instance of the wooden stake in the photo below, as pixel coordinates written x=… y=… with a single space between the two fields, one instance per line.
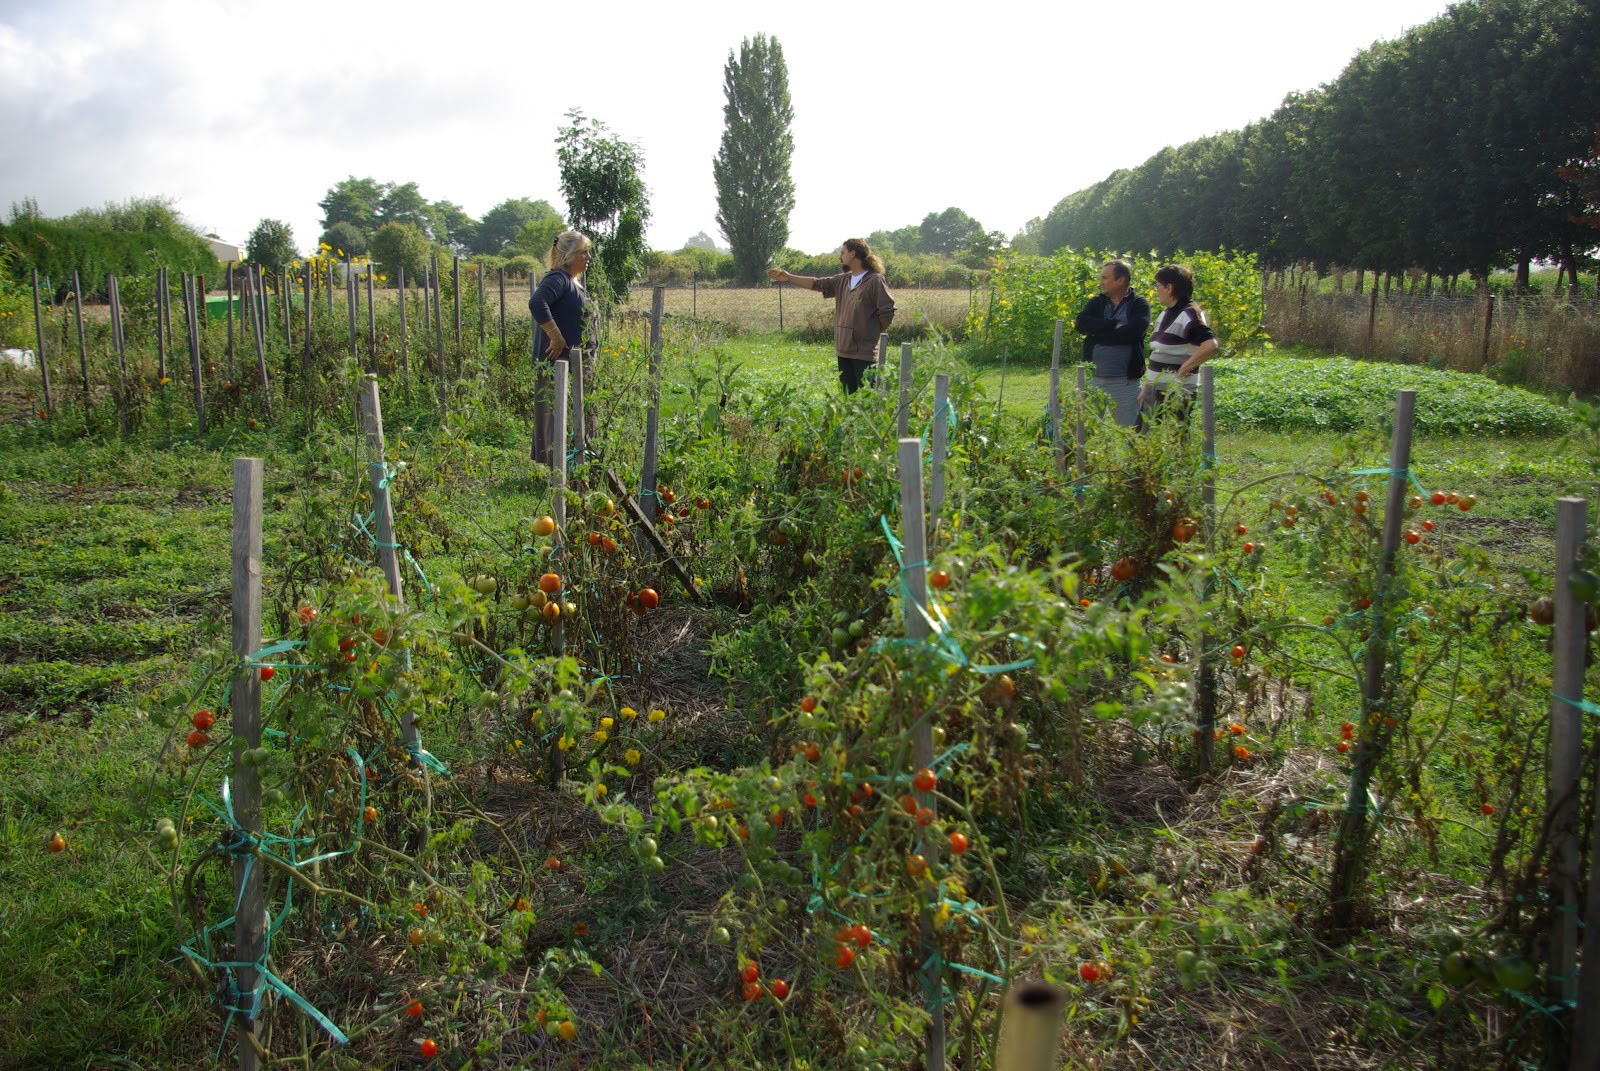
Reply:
x=192 y=323
x=1562 y=788
x=579 y=438
x=647 y=476
x=383 y=517
x=372 y=325
x=350 y=299
x=881 y=359
x=455 y=294
x=903 y=414
x=1081 y=433
x=941 y=445
x=261 y=353
x=38 y=335
x=405 y=350
x=83 y=347
x=232 y=372
x=502 y=312
x=305 y=358
x=1030 y=1031
x=1372 y=317
x=163 y=331
x=1488 y=328
x=483 y=311
x=1055 y=400
x=1350 y=858
x=914 y=577
x=1206 y=672
x=558 y=488
x=285 y=288
x=438 y=339
x=245 y=709
x=118 y=341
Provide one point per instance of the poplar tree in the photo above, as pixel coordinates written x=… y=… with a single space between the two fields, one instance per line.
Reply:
x=754 y=191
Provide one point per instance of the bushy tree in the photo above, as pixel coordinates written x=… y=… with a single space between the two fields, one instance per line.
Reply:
x=537 y=235
x=354 y=201
x=271 y=244
x=404 y=203
x=602 y=178
x=401 y=245
x=949 y=231
x=755 y=193
x=346 y=241
x=453 y=226
x=499 y=225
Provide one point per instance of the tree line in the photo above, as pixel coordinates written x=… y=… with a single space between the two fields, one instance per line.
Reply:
x=1460 y=147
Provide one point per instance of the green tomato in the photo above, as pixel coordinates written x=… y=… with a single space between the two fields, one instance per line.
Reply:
x=858 y=628
x=1514 y=972
x=721 y=935
x=840 y=637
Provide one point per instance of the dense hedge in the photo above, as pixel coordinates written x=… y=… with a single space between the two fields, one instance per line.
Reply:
x=56 y=249
x=1031 y=293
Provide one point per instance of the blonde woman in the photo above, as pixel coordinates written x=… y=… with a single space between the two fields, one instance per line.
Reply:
x=561 y=309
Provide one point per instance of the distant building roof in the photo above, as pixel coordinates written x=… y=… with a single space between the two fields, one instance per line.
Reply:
x=225 y=252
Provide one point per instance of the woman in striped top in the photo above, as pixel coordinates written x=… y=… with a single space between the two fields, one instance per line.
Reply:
x=1182 y=342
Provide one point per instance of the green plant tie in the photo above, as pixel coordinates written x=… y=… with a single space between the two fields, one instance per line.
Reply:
x=1405 y=474
x=1579 y=704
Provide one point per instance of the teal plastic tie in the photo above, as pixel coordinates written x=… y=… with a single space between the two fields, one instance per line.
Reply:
x=1580 y=704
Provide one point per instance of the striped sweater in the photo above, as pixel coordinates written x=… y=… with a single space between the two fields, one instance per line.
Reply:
x=1179 y=332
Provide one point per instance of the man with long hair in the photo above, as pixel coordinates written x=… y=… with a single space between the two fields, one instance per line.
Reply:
x=863 y=307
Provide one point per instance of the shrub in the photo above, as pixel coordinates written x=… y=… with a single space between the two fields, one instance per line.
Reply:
x=56 y=248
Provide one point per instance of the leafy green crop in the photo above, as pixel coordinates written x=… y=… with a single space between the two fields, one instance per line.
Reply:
x=1340 y=395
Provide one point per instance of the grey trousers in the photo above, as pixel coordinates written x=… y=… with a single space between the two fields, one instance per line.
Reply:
x=1124 y=395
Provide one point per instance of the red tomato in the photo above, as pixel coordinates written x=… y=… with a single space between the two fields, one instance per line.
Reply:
x=550 y=583
x=958 y=843
x=939 y=579
x=925 y=780
x=778 y=988
x=414 y=1009
x=862 y=934
x=752 y=990
x=203 y=720
x=267 y=673
x=196 y=738
x=1089 y=972
x=749 y=973
x=808 y=704
x=648 y=598
x=844 y=957
x=429 y=1048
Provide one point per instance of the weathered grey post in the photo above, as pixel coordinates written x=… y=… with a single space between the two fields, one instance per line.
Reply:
x=914 y=580
x=285 y=287
x=245 y=710
x=881 y=361
x=38 y=335
x=350 y=312
x=647 y=477
x=261 y=353
x=1081 y=432
x=1055 y=401
x=232 y=372
x=1372 y=317
x=1563 y=783
x=372 y=325
x=1030 y=1030
x=119 y=341
x=455 y=288
x=1206 y=672
x=903 y=412
x=192 y=323
x=1350 y=863
x=579 y=438
x=1488 y=327
x=331 y=274
x=83 y=347
x=383 y=517
x=438 y=339
x=305 y=358
x=163 y=330
x=502 y=312
x=483 y=310
x=940 y=445
x=1586 y=1042
x=780 y=306
x=405 y=350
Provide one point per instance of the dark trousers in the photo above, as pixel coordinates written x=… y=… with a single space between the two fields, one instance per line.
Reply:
x=851 y=373
x=1174 y=402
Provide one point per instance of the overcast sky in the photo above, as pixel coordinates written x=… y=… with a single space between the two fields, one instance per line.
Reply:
x=244 y=111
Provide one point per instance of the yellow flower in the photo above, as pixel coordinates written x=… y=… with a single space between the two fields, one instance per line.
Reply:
x=516 y=745
x=606 y=723
x=565 y=743
x=600 y=790
x=601 y=736
x=629 y=712
x=631 y=756
x=658 y=715
x=165 y=380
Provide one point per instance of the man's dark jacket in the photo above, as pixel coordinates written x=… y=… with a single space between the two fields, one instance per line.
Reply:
x=1098 y=326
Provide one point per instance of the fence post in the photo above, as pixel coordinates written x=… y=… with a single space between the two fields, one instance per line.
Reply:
x=1372 y=317
x=120 y=344
x=245 y=712
x=914 y=579
x=1055 y=399
x=351 y=297
x=372 y=324
x=261 y=353
x=502 y=312
x=647 y=477
x=558 y=489
x=162 y=330
x=1030 y=1030
x=880 y=371
x=405 y=350
x=780 y=306
x=305 y=358
x=83 y=347
x=903 y=417
x=1081 y=432
x=285 y=289
x=1350 y=863
x=192 y=323
x=941 y=446
x=1562 y=787
x=1488 y=326
x=38 y=335
x=579 y=439
x=438 y=337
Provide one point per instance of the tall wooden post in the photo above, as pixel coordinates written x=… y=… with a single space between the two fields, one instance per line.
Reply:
x=232 y=371
x=192 y=323
x=383 y=518
x=1030 y=1030
x=881 y=361
x=245 y=710
x=1372 y=317
x=1081 y=432
x=83 y=347
x=903 y=414
x=1562 y=786
x=285 y=289
x=163 y=332
x=372 y=325
x=38 y=335
x=455 y=294
x=120 y=344
x=780 y=306
x=261 y=353
x=558 y=486
x=1055 y=400
x=647 y=476
x=579 y=435
x=438 y=339
x=502 y=312
x=1488 y=329
x=305 y=357
x=940 y=447
x=1350 y=859
x=914 y=578
x=350 y=313
x=405 y=350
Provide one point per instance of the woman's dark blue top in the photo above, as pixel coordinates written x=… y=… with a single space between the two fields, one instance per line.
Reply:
x=561 y=298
